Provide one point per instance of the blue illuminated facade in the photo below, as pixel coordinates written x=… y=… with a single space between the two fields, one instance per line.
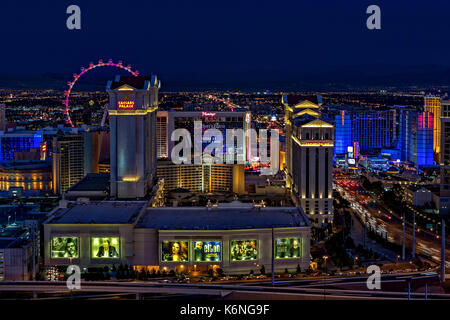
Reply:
x=416 y=137
x=371 y=129
x=343 y=133
x=20 y=141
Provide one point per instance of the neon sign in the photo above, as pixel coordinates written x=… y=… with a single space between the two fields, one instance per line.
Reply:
x=125 y=104
x=208 y=114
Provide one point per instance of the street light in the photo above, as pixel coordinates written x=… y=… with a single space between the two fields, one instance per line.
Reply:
x=325 y=262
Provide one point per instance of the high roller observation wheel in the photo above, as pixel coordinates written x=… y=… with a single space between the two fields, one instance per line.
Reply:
x=76 y=76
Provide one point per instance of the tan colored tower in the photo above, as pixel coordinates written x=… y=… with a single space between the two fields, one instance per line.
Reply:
x=309 y=157
x=433 y=105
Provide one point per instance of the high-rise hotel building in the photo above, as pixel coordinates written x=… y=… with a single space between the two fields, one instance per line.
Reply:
x=445 y=148
x=67 y=160
x=162 y=139
x=370 y=129
x=169 y=121
x=309 y=157
x=416 y=137
x=433 y=104
x=200 y=178
x=133 y=103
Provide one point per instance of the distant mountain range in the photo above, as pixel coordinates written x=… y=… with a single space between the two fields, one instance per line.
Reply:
x=322 y=79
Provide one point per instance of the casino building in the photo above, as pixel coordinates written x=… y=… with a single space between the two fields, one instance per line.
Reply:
x=167 y=122
x=309 y=157
x=133 y=102
x=235 y=237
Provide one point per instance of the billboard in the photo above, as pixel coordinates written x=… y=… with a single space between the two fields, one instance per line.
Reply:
x=288 y=248
x=207 y=251
x=105 y=247
x=244 y=250
x=174 y=251
x=64 y=247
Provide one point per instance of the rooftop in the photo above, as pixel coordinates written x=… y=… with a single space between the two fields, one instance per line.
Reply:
x=6 y=243
x=296 y=99
x=26 y=165
x=222 y=218
x=104 y=212
x=139 y=82
x=92 y=182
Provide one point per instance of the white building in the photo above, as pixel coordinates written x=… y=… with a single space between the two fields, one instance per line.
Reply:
x=309 y=157
x=133 y=102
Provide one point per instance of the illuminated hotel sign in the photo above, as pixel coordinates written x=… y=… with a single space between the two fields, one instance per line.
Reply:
x=208 y=114
x=125 y=102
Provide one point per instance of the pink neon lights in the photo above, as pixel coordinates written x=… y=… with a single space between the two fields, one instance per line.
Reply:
x=100 y=63
x=208 y=114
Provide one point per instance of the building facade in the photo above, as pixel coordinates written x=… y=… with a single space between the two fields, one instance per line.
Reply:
x=133 y=102
x=30 y=175
x=15 y=142
x=219 y=120
x=162 y=137
x=236 y=238
x=96 y=149
x=432 y=104
x=370 y=129
x=416 y=137
x=67 y=160
x=199 y=178
x=309 y=158
x=445 y=148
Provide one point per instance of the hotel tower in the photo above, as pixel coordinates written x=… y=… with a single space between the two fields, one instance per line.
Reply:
x=133 y=103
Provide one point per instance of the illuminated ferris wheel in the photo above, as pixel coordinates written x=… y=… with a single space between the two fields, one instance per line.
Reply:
x=76 y=76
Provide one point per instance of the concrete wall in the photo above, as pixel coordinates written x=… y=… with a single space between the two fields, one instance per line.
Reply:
x=18 y=263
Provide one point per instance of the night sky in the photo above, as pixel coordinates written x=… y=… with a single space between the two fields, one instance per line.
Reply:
x=253 y=39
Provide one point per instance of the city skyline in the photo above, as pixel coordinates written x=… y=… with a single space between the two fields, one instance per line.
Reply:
x=214 y=151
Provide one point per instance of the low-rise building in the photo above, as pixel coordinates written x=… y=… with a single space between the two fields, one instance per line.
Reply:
x=236 y=237
x=200 y=178
x=418 y=196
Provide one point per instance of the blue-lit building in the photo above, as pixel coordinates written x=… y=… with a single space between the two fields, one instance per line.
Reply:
x=370 y=129
x=343 y=132
x=416 y=137
x=19 y=141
